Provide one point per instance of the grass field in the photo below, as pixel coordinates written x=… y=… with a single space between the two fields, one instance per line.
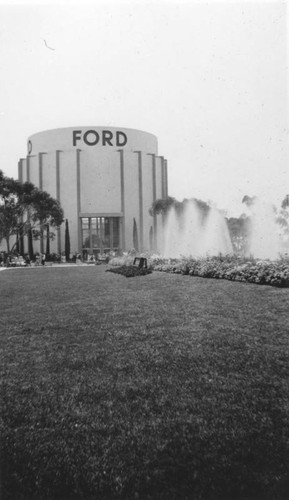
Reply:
x=155 y=387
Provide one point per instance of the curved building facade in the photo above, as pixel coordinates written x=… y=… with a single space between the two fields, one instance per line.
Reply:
x=106 y=179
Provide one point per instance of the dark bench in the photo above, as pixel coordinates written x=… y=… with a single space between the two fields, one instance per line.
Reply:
x=140 y=262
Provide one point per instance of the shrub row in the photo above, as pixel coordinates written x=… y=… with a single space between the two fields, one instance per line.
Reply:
x=274 y=273
x=263 y=272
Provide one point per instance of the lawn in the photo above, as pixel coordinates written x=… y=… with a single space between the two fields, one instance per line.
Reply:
x=155 y=387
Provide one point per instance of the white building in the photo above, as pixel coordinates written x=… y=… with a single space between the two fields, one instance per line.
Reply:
x=106 y=179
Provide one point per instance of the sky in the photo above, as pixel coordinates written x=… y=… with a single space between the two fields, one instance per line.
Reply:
x=209 y=79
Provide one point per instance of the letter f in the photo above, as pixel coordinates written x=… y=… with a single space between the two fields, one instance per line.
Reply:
x=76 y=134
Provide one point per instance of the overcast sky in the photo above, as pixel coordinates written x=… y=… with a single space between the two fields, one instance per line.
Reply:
x=209 y=79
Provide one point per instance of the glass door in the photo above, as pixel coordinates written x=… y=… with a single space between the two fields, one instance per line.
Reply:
x=100 y=234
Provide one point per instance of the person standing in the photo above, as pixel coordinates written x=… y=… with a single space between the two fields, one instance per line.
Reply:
x=43 y=259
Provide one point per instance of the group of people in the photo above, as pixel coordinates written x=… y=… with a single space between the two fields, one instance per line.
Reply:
x=7 y=260
x=76 y=257
x=40 y=259
x=15 y=260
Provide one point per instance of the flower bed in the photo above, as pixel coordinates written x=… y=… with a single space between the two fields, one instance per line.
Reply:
x=128 y=257
x=130 y=271
x=124 y=260
x=274 y=273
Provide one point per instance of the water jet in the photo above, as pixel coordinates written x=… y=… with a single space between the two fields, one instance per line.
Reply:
x=195 y=232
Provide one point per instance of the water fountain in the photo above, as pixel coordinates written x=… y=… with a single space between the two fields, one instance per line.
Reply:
x=264 y=239
x=196 y=234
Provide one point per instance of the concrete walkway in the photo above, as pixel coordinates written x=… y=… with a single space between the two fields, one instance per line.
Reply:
x=48 y=265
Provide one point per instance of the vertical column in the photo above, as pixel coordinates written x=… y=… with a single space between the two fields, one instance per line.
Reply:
x=29 y=237
x=163 y=177
x=166 y=177
x=78 y=198
x=111 y=233
x=154 y=198
x=28 y=168
x=90 y=234
x=40 y=172
x=122 y=221
x=20 y=170
x=58 y=197
x=21 y=238
x=163 y=186
x=140 y=196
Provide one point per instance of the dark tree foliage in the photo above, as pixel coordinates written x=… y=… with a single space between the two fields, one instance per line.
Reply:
x=239 y=229
x=283 y=215
x=47 y=240
x=249 y=200
x=162 y=206
x=67 y=240
x=203 y=207
x=25 y=210
x=285 y=202
x=135 y=236
x=30 y=243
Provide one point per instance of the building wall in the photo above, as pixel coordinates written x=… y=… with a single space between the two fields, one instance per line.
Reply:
x=131 y=196
x=100 y=182
x=99 y=172
x=48 y=167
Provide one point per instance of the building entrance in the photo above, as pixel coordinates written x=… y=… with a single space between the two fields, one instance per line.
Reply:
x=100 y=235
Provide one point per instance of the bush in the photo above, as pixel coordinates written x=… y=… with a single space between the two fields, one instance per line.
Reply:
x=274 y=273
x=124 y=260
x=127 y=258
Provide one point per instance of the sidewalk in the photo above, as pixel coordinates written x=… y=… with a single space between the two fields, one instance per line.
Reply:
x=51 y=264
x=47 y=264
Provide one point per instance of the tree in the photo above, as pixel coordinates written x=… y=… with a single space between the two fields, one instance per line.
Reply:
x=135 y=236
x=285 y=202
x=249 y=200
x=25 y=210
x=67 y=240
x=162 y=205
x=48 y=236
x=239 y=229
x=283 y=216
x=30 y=242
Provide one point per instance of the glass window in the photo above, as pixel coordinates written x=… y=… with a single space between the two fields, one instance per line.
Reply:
x=100 y=234
x=95 y=235
x=85 y=238
x=85 y=222
x=115 y=232
x=106 y=232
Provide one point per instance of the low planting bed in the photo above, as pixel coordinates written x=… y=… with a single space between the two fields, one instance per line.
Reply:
x=130 y=271
x=274 y=273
